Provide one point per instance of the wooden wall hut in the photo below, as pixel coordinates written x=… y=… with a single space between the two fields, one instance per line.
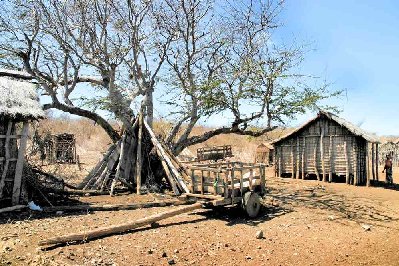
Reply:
x=18 y=106
x=264 y=153
x=328 y=148
x=389 y=148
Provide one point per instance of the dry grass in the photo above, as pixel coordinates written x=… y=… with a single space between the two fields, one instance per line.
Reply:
x=92 y=141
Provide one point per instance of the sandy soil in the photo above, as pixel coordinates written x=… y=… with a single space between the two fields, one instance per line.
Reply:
x=303 y=222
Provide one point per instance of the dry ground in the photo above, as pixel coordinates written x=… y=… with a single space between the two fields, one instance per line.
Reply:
x=304 y=223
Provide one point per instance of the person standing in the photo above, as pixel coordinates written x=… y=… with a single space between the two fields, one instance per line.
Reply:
x=388 y=170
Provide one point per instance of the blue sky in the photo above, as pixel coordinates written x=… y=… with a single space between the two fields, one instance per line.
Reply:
x=357 y=49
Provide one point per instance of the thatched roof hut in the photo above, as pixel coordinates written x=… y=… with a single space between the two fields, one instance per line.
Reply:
x=18 y=105
x=328 y=148
x=264 y=153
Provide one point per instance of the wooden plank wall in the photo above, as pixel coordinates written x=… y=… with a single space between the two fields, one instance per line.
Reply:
x=11 y=161
x=326 y=149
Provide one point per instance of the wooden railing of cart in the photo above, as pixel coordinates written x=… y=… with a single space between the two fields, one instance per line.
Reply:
x=226 y=182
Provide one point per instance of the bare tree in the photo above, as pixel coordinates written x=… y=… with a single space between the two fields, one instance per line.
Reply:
x=213 y=57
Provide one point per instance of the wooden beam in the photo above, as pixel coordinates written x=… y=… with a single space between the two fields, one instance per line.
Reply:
x=355 y=147
x=304 y=158
x=377 y=161
x=120 y=167
x=117 y=229
x=331 y=158
x=315 y=162
x=367 y=165
x=16 y=191
x=7 y=159
x=13 y=208
x=139 y=160
x=346 y=162
x=323 y=169
x=292 y=159
x=280 y=163
x=297 y=158
x=177 y=175
x=373 y=160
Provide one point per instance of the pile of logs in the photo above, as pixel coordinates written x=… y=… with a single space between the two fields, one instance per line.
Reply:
x=138 y=158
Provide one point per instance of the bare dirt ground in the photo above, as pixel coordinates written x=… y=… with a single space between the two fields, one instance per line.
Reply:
x=304 y=223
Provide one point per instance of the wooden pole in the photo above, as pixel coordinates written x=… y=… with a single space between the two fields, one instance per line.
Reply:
x=13 y=208
x=297 y=158
x=304 y=158
x=7 y=158
x=331 y=158
x=280 y=161
x=292 y=160
x=377 y=161
x=323 y=170
x=355 y=164
x=373 y=160
x=16 y=191
x=120 y=167
x=106 y=231
x=367 y=165
x=113 y=207
x=315 y=161
x=346 y=162
x=139 y=160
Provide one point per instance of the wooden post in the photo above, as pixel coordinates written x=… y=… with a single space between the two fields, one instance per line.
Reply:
x=192 y=181
x=280 y=163
x=120 y=167
x=373 y=160
x=331 y=158
x=202 y=182
x=377 y=161
x=355 y=164
x=292 y=160
x=262 y=178
x=367 y=165
x=304 y=158
x=20 y=164
x=297 y=158
x=225 y=185
x=323 y=170
x=232 y=184
x=241 y=182
x=251 y=177
x=139 y=161
x=346 y=162
x=315 y=162
x=7 y=158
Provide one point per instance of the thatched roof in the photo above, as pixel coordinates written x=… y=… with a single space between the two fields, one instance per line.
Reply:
x=266 y=145
x=18 y=99
x=355 y=130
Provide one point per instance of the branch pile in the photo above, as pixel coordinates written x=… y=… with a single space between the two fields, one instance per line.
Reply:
x=138 y=158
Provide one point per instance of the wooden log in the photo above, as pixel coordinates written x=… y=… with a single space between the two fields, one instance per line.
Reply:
x=169 y=175
x=16 y=191
x=280 y=161
x=297 y=158
x=315 y=162
x=202 y=182
x=120 y=166
x=232 y=183
x=292 y=160
x=177 y=175
x=7 y=158
x=323 y=169
x=225 y=185
x=377 y=161
x=106 y=231
x=139 y=159
x=13 y=208
x=373 y=160
x=112 y=207
x=192 y=180
x=355 y=165
x=303 y=158
x=367 y=165
x=346 y=162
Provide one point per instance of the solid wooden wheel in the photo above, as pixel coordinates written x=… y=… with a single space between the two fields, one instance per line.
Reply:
x=251 y=204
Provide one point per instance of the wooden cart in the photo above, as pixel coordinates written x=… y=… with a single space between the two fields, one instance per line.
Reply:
x=229 y=183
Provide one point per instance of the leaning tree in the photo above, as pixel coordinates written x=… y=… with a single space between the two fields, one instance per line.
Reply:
x=205 y=57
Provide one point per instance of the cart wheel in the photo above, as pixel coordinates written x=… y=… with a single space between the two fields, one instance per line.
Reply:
x=251 y=204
